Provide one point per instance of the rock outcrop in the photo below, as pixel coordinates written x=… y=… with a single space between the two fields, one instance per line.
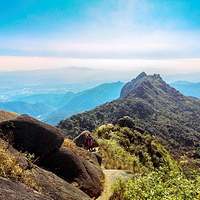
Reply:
x=18 y=191
x=74 y=173
x=75 y=169
x=132 y=84
x=80 y=139
x=55 y=187
x=25 y=133
x=126 y=121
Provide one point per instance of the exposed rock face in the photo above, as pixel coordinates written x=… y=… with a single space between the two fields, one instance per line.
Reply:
x=55 y=187
x=17 y=191
x=67 y=164
x=126 y=121
x=28 y=134
x=98 y=157
x=52 y=186
x=80 y=139
x=132 y=84
x=94 y=157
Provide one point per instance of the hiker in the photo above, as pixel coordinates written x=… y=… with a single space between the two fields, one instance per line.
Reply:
x=89 y=142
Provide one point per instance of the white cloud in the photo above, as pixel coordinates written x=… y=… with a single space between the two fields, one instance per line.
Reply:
x=155 y=45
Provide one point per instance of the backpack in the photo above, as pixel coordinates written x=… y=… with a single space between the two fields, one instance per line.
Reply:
x=90 y=142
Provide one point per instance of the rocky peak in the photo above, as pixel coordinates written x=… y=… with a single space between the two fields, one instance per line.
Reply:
x=143 y=86
x=132 y=84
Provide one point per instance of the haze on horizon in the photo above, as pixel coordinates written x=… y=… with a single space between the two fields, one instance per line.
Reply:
x=157 y=35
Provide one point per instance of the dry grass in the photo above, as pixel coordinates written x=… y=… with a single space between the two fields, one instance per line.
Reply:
x=79 y=151
x=69 y=143
x=10 y=168
x=5 y=115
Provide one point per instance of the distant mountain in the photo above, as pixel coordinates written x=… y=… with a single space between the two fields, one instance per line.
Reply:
x=96 y=96
x=53 y=100
x=86 y=100
x=187 y=88
x=154 y=105
x=19 y=107
x=191 y=77
x=15 y=84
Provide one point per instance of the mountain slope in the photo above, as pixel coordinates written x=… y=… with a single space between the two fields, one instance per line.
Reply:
x=187 y=88
x=86 y=100
x=20 y=107
x=89 y=99
x=53 y=100
x=154 y=105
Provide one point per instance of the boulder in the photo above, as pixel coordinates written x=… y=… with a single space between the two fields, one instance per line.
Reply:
x=17 y=191
x=50 y=184
x=98 y=157
x=76 y=170
x=126 y=121
x=55 y=187
x=80 y=139
x=25 y=133
x=94 y=156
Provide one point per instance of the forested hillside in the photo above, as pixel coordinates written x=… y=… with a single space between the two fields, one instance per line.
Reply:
x=155 y=106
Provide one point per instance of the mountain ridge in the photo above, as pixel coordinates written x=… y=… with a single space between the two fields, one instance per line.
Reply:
x=86 y=100
x=155 y=106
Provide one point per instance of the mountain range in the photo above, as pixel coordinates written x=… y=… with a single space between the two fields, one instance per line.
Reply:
x=155 y=106
x=52 y=108
x=15 y=84
x=187 y=88
x=20 y=107
x=85 y=100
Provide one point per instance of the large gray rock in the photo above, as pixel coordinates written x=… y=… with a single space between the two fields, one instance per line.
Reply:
x=80 y=139
x=75 y=169
x=56 y=187
x=50 y=184
x=25 y=133
x=17 y=191
x=126 y=121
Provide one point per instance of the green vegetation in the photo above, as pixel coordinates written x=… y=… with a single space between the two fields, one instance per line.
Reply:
x=123 y=148
x=156 y=174
x=10 y=168
x=160 y=184
x=155 y=107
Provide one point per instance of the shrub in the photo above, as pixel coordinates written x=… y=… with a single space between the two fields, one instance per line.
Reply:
x=161 y=184
x=11 y=169
x=116 y=157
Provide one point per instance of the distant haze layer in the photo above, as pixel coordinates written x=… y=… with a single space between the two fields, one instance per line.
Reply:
x=164 y=66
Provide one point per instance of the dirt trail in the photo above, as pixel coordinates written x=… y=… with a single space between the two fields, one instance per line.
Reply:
x=111 y=177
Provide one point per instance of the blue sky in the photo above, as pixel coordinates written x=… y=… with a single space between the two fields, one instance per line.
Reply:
x=96 y=31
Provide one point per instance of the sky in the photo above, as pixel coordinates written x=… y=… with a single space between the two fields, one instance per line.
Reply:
x=108 y=34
